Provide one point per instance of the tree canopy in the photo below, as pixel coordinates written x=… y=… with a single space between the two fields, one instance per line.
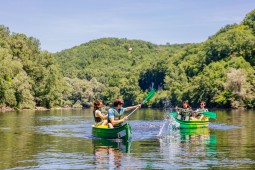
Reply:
x=219 y=71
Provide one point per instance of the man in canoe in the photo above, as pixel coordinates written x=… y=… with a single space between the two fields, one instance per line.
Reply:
x=116 y=113
x=197 y=115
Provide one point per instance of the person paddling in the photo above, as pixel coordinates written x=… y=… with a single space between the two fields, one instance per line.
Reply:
x=197 y=115
x=184 y=112
x=116 y=113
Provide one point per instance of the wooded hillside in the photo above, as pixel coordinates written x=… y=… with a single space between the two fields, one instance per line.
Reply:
x=219 y=71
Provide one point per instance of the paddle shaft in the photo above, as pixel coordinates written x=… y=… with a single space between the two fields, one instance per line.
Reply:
x=150 y=95
x=132 y=112
x=135 y=109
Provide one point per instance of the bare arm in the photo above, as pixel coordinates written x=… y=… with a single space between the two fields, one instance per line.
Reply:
x=132 y=107
x=99 y=114
x=116 y=122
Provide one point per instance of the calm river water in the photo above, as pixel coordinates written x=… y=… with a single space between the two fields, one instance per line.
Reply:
x=62 y=139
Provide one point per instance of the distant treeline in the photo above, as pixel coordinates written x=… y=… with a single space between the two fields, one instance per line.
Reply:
x=219 y=71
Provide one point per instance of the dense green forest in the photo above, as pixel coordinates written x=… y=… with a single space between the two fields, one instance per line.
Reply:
x=220 y=71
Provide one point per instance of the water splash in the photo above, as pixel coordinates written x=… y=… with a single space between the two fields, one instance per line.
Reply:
x=168 y=107
x=167 y=126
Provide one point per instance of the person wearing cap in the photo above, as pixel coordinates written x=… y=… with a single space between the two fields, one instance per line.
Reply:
x=116 y=113
x=99 y=116
x=198 y=115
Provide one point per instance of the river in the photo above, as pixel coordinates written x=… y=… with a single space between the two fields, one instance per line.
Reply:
x=61 y=139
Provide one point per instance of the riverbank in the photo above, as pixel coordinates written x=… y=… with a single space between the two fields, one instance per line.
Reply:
x=9 y=109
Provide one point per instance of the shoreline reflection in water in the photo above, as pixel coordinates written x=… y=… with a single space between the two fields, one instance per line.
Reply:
x=110 y=153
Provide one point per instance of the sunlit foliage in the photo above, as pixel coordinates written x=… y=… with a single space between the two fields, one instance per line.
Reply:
x=219 y=71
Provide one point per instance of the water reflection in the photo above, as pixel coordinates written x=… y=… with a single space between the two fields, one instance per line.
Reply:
x=196 y=136
x=110 y=153
x=201 y=137
x=189 y=146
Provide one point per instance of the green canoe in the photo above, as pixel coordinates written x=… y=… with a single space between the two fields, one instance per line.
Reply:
x=190 y=124
x=122 y=132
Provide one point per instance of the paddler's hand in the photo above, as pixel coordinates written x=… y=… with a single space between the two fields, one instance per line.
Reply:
x=177 y=109
x=125 y=118
x=138 y=106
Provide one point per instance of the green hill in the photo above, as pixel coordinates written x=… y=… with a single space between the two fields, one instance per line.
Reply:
x=219 y=71
x=117 y=64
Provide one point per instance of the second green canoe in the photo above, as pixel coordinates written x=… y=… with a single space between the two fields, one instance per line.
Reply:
x=190 y=124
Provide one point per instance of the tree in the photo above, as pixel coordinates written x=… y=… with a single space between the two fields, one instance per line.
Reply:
x=208 y=85
x=250 y=20
x=238 y=41
x=239 y=89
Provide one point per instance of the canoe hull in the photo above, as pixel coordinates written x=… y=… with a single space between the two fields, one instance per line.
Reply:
x=122 y=132
x=191 y=124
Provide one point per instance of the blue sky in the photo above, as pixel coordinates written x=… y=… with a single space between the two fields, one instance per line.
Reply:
x=62 y=24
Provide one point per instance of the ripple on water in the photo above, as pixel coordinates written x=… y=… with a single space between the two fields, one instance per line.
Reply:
x=78 y=128
x=145 y=129
x=223 y=126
